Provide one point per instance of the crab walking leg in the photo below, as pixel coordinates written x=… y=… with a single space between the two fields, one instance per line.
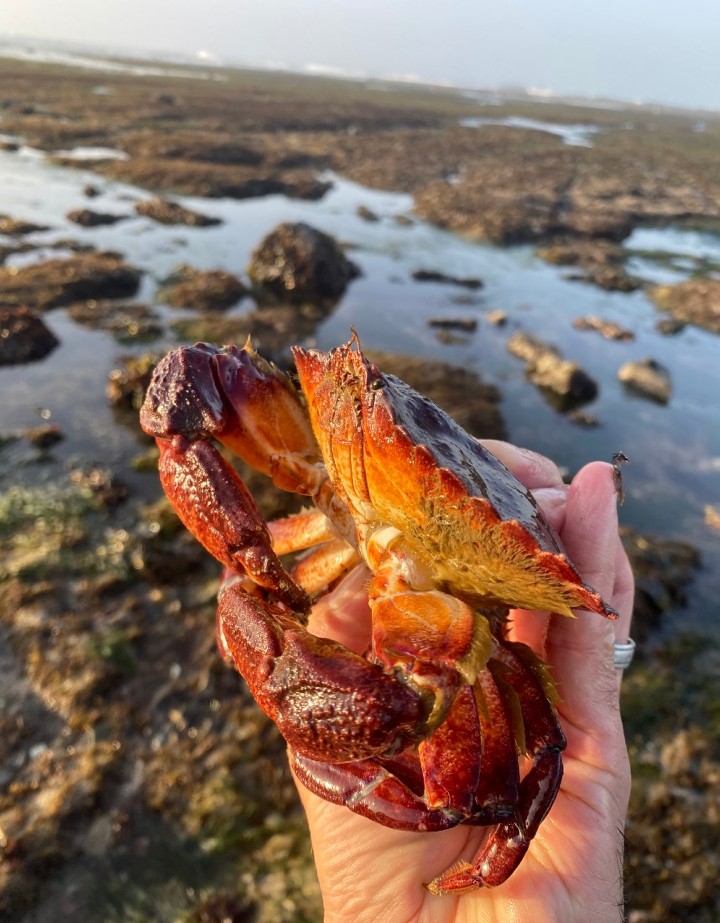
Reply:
x=214 y=504
x=320 y=567
x=328 y=702
x=371 y=788
x=544 y=740
x=303 y=530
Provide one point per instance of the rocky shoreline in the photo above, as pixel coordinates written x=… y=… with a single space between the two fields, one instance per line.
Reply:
x=137 y=777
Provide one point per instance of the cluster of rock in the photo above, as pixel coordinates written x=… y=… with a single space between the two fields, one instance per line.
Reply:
x=213 y=289
x=599 y=261
x=695 y=301
x=567 y=383
x=28 y=290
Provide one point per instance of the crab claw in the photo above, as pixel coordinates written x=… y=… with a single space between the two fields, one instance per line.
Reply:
x=243 y=401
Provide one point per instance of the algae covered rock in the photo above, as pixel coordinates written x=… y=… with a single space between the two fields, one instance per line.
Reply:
x=648 y=378
x=299 y=262
x=24 y=337
x=695 y=301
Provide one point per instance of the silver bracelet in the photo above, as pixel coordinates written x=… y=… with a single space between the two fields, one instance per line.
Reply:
x=624 y=654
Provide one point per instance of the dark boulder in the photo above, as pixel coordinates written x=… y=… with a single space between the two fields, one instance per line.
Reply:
x=298 y=262
x=24 y=337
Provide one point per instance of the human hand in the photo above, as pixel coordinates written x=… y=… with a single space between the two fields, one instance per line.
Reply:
x=573 y=868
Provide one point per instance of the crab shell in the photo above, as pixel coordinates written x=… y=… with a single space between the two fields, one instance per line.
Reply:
x=396 y=458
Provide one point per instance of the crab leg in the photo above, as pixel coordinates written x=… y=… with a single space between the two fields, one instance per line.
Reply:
x=318 y=569
x=214 y=504
x=544 y=740
x=303 y=530
x=376 y=789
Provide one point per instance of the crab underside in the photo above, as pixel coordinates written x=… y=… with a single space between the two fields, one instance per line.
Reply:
x=430 y=726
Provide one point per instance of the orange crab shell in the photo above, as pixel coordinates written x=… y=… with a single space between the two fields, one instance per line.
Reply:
x=396 y=459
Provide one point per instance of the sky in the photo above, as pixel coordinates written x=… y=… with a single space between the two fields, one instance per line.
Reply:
x=651 y=51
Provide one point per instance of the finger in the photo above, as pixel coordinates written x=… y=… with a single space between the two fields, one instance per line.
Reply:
x=553 y=502
x=623 y=594
x=532 y=469
x=531 y=627
x=580 y=651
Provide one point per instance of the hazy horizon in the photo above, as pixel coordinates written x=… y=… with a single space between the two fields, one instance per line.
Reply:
x=639 y=53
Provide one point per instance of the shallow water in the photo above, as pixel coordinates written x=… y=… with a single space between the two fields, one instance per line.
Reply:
x=576 y=135
x=674 y=449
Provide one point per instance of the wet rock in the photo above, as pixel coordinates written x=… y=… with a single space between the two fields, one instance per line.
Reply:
x=670 y=326
x=213 y=181
x=367 y=214
x=62 y=281
x=91 y=191
x=581 y=252
x=300 y=263
x=567 y=383
x=610 y=278
x=663 y=569
x=497 y=317
x=107 y=489
x=695 y=301
x=602 y=262
x=194 y=147
x=206 y=291
x=647 y=378
x=24 y=337
x=45 y=436
x=608 y=329
x=673 y=829
x=6 y=251
x=224 y=908
x=273 y=329
x=431 y=275
x=166 y=212
x=88 y=218
x=126 y=385
x=583 y=418
x=128 y=322
x=17 y=226
x=712 y=516
x=466 y=324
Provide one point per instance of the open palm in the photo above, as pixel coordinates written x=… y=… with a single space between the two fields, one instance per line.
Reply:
x=573 y=869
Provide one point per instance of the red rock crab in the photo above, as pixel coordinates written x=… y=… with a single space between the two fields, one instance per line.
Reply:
x=430 y=727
